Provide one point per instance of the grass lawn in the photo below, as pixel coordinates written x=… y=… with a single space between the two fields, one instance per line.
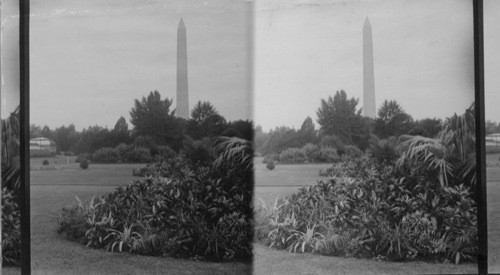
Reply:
x=287 y=179
x=493 y=192
x=51 y=190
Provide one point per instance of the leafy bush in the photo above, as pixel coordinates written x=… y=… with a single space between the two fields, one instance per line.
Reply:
x=11 y=234
x=270 y=165
x=84 y=164
x=373 y=210
x=183 y=209
x=106 y=155
x=384 y=150
x=45 y=162
x=137 y=155
x=123 y=149
x=333 y=141
x=293 y=155
x=310 y=150
x=165 y=152
x=326 y=154
x=353 y=151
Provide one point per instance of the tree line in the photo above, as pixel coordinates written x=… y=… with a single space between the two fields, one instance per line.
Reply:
x=153 y=124
x=340 y=119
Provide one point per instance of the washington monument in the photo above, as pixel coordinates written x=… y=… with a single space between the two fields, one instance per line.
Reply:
x=182 y=108
x=369 y=107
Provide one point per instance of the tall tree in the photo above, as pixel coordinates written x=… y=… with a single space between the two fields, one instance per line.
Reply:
x=47 y=132
x=35 y=131
x=205 y=121
x=151 y=116
x=392 y=120
x=65 y=137
x=307 y=132
x=338 y=116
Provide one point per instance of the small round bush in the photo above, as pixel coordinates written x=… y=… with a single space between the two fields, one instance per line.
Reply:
x=84 y=164
x=270 y=165
x=45 y=162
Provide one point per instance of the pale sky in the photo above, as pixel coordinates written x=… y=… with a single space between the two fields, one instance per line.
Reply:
x=9 y=67
x=307 y=50
x=91 y=59
x=492 y=59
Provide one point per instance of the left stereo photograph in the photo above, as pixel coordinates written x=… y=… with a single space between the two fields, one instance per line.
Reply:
x=141 y=157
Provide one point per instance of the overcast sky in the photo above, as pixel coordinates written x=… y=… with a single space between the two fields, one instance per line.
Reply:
x=91 y=59
x=307 y=50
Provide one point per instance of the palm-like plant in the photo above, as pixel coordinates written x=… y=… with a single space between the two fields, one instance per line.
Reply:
x=10 y=151
x=452 y=153
x=234 y=151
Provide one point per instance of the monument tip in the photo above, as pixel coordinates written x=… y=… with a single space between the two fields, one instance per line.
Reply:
x=367 y=22
x=181 y=24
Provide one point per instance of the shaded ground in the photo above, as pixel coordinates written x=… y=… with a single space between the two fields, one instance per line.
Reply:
x=287 y=179
x=52 y=190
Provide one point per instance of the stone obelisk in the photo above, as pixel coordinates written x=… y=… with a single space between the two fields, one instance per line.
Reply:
x=182 y=108
x=369 y=107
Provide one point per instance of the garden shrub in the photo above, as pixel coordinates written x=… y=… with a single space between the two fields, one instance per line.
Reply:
x=293 y=156
x=84 y=164
x=165 y=152
x=123 y=149
x=384 y=150
x=106 y=155
x=373 y=210
x=11 y=234
x=270 y=165
x=353 y=151
x=137 y=155
x=146 y=142
x=333 y=141
x=182 y=209
x=310 y=150
x=326 y=154
x=199 y=151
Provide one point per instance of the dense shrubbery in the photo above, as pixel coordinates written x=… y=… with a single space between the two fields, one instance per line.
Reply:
x=369 y=210
x=11 y=234
x=124 y=153
x=181 y=209
x=410 y=198
x=311 y=153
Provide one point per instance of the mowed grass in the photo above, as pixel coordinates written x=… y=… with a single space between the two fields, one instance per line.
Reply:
x=51 y=190
x=287 y=179
x=493 y=206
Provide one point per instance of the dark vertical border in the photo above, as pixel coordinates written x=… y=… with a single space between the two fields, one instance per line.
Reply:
x=482 y=256
x=250 y=40
x=24 y=191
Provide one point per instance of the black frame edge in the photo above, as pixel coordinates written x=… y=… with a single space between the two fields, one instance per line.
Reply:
x=24 y=191
x=482 y=257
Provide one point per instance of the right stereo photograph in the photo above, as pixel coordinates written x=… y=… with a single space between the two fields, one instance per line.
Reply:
x=365 y=137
